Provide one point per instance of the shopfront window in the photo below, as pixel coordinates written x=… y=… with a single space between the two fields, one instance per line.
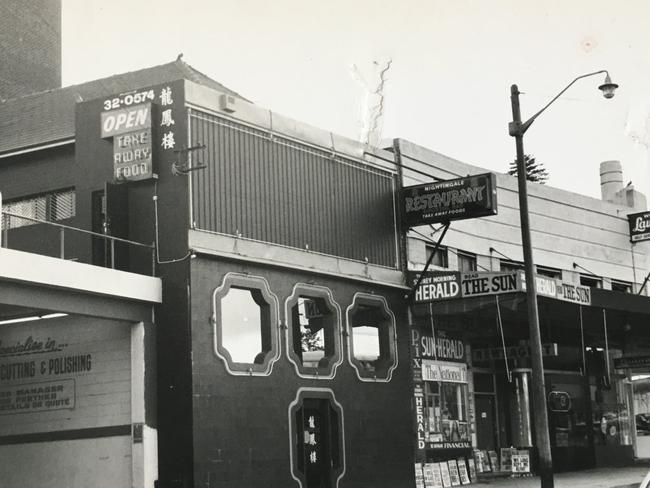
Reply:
x=446 y=413
x=314 y=331
x=372 y=338
x=246 y=325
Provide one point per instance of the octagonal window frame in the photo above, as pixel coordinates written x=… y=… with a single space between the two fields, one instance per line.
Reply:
x=323 y=294
x=262 y=365
x=388 y=359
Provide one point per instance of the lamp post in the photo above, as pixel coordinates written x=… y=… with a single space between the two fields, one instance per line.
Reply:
x=517 y=129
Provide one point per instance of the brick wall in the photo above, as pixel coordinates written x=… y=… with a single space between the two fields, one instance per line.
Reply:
x=30 y=42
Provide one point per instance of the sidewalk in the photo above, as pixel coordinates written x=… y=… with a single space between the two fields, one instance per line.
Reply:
x=592 y=478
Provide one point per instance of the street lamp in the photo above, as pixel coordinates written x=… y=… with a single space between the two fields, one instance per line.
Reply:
x=517 y=129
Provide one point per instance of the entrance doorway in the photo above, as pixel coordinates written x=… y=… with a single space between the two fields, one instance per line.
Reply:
x=486 y=425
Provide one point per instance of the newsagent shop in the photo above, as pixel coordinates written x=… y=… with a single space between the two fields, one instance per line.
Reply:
x=473 y=412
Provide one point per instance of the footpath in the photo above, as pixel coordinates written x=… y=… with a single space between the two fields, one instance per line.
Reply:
x=625 y=477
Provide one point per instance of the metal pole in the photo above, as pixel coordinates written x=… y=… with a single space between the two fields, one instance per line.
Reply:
x=538 y=388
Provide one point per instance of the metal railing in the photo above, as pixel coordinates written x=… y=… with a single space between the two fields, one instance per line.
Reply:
x=62 y=228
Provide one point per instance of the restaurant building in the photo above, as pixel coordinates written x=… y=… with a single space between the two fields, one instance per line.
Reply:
x=282 y=336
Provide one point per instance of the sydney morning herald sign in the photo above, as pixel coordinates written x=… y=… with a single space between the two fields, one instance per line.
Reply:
x=461 y=198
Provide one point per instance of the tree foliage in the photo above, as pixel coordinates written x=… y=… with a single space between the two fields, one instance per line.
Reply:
x=535 y=172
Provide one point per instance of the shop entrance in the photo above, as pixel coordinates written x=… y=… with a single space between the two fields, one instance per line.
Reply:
x=486 y=425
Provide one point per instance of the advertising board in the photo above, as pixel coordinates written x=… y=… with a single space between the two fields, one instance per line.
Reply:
x=443 y=201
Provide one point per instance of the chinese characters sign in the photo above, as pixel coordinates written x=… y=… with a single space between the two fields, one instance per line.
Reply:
x=139 y=123
x=462 y=198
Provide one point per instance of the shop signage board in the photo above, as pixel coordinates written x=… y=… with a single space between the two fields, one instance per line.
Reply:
x=143 y=127
x=639 y=226
x=444 y=347
x=444 y=371
x=461 y=198
x=437 y=286
x=521 y=351
x=560 y=290
x=54 y=372
x=632 y=362
x=446 y=285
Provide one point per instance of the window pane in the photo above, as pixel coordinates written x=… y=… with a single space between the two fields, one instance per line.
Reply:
x=440 y=258
x=366 y=344
x=62 y=205
x=241 y=325
x=466 y=262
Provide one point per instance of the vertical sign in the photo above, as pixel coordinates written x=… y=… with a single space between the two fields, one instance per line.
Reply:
x=143 y=125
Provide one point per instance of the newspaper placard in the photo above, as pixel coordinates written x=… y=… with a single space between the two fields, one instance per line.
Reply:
x=462 y=471
x=432 y=477
x=444 y=472
x=472 y=469
x=494 y=461
x=521 y=462
x=419 y=477
x=506 y=459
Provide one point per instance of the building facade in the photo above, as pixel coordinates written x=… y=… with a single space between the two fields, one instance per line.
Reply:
x=474 y=324
x=290 y=348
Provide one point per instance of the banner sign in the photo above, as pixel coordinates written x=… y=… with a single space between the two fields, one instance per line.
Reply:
x=462 y=198
x=632 y=362
x=560 y=290
x=444 y=371
x=436 y=286
x=639 y=226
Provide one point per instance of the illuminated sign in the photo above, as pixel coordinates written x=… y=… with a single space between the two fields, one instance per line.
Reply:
x=462 y=198
x=125 y=120
x=132 y=156
x=639 y=226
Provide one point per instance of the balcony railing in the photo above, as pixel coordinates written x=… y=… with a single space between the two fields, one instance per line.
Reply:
x=65 y=233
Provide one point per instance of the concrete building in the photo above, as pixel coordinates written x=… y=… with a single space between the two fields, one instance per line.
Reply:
x=580 y=244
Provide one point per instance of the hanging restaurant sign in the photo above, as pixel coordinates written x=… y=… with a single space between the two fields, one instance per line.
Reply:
x=461 y=198
x=639 y=226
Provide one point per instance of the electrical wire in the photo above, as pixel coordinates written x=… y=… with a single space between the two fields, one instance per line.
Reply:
x=157 y=250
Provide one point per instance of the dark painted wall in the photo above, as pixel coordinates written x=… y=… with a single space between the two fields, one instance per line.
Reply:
x=269 y=188
x=241 y=432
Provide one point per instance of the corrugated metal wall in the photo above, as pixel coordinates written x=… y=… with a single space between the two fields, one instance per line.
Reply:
x=273 y=189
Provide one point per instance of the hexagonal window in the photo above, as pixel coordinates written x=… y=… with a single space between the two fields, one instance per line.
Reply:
x=372 y=338
x=245 y=322
x=314 y=331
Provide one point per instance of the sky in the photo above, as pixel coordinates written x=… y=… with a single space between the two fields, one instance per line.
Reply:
x=452 y=63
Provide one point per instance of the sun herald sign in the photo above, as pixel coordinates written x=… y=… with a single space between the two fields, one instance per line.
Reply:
x=462 y=198
x=639 y=226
